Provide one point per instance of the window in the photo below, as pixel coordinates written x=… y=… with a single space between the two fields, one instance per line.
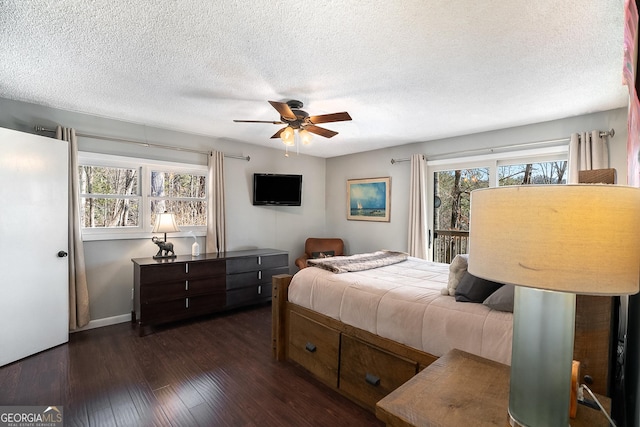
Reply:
x=455 y=179
x=453 y=189
x=180 y=193
x=533 y=173
x=109 y=197
x=120 y=196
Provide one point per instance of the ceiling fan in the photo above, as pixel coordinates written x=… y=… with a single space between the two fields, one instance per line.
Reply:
x=295 y=118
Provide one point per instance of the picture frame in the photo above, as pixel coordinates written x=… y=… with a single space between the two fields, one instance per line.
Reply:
x=369 y=199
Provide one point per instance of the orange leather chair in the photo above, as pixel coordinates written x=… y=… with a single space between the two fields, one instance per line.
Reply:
x=319 y=245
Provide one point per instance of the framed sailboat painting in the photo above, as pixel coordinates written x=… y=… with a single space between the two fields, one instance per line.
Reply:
x=369 y=199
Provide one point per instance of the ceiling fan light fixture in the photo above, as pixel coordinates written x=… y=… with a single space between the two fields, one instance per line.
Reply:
x=294 y=118
x=305 y=136
x=287 y=136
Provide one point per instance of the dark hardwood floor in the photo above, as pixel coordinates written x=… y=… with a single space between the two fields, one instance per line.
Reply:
x=215 y=371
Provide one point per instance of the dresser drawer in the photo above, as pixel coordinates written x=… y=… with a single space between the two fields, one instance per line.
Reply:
x=249 y=295
x=209 y=268
x=368 y=373
x=254 y=263
x=166 y=311
x=180 y=271
x=162 y=273
x=185 y=288
x=316 y=347
x=251 y=278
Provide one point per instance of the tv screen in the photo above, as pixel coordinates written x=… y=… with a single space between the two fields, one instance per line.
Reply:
x=277 y=189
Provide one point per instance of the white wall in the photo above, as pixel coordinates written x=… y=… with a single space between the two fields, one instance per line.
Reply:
x=109 y=267
x=363 y=236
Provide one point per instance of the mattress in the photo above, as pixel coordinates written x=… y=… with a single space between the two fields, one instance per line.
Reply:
x=403 y=302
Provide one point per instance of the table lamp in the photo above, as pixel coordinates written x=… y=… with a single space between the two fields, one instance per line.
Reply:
x=165 y=223
x=552 y=242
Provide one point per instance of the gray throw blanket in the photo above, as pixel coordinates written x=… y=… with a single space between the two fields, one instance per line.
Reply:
x=359 y=262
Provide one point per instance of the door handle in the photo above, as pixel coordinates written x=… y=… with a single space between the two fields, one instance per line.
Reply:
x=62 y=254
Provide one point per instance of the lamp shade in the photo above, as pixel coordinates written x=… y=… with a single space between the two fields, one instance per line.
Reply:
x=573 y=238
x=305 y=136
x=287 y=136
x=165 y=223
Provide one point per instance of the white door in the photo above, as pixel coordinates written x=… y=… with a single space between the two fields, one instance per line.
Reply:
x=34 y=302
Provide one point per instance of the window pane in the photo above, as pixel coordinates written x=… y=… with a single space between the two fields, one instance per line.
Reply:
x=453 y=188
x=188 y=213
x=451 y=210
x=533 y=173
x=108 y=181
x=169 y=184
x=109 y=212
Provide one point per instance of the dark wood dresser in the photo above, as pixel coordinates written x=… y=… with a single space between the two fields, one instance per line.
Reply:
x=170 y=289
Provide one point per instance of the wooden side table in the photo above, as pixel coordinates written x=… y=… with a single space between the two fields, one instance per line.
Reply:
x=461 y=389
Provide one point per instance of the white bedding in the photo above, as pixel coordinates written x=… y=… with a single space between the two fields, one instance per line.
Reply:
x=403 y=302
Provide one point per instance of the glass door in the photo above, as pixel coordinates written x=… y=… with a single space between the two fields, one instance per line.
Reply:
x=452 y=190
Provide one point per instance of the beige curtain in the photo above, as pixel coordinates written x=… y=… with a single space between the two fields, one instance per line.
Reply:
x=216 y=228
x=78 y=291
x=418 y=207
x=587 y=150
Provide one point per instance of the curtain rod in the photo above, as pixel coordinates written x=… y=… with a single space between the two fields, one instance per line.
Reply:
x=144 y=144
x=609 y=133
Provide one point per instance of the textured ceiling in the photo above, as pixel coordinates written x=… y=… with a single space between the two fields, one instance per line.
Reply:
x=405 y=70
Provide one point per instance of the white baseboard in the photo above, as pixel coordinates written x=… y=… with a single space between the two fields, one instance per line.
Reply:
x=107 y=321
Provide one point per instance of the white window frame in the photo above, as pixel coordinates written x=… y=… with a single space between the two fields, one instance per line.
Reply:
x=144 y=166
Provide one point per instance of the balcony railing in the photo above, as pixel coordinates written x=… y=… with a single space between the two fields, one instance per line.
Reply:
x=449 y=243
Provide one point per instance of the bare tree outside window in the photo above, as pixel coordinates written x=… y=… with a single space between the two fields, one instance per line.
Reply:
x=451 y=218
x=109 y=197
x=533 y=173
x=453 y=189
x=182 y=194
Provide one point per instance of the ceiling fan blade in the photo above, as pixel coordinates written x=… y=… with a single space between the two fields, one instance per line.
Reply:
x=258 y=121
x=284 y=110
x=277 y=134
x=326 y=118
x=320 y=131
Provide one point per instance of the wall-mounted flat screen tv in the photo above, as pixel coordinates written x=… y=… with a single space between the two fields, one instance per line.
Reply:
x=277 y=189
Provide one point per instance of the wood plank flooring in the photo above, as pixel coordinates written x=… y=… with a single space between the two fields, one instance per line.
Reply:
x=215 y=371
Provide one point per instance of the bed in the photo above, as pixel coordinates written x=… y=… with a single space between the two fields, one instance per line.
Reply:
x=367 y=329
x=366 y=332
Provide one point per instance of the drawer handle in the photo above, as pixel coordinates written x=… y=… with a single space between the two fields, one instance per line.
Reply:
x=259 y=274
x=372 y=379
x=311 y=348
x=259 y=289
x=186 y=285
x=259 y=260
x=186 y=303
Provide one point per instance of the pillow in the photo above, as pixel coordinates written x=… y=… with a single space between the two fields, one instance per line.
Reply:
x=457 y=268
x=323 y=254
x=475 y=289
x=502 y=299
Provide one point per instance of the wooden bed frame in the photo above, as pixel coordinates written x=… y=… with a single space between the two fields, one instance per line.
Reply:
x=366 y=367
x=358 y=364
